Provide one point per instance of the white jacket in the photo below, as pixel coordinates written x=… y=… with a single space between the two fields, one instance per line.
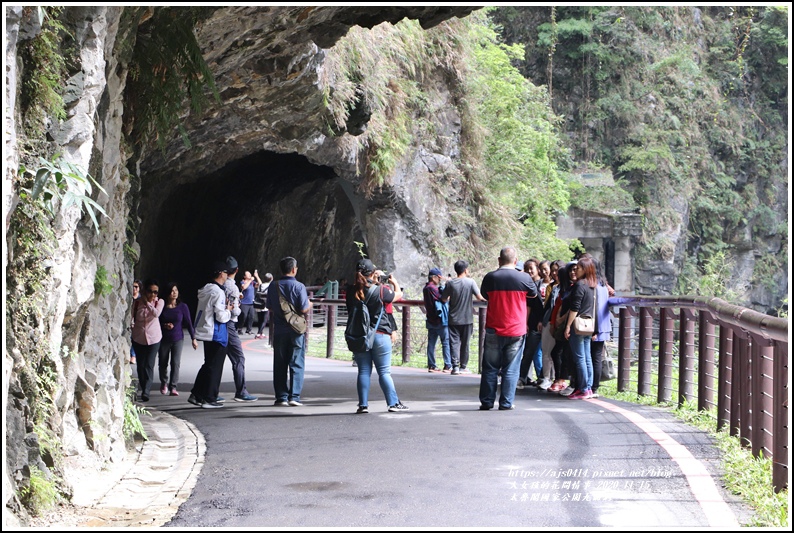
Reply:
x=211 y=307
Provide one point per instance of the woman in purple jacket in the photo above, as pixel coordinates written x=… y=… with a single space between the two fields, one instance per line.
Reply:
x=174 y=318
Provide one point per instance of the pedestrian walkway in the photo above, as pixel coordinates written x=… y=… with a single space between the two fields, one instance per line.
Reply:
x=146 y=488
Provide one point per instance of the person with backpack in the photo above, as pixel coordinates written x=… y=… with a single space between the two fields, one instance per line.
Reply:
x=368 y=333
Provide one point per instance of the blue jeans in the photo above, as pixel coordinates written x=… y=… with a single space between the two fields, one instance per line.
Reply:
x=380 y=357
x=533 y=355
x=288 y=356
x=580 y=348
x=433 y=334
x=500 y=355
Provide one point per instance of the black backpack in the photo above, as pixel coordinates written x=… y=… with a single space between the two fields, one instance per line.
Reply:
x=360 y=333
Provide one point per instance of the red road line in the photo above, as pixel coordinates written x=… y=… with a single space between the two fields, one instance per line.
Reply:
x=717 y=512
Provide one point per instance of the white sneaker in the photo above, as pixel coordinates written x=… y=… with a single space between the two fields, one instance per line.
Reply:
x=567 y=391
x=544 y=384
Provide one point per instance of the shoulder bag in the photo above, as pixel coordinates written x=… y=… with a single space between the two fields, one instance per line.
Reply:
x=584 y=324
x=295 y=320
x=608 y=370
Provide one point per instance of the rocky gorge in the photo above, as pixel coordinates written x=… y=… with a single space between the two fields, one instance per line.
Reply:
x=264 y=170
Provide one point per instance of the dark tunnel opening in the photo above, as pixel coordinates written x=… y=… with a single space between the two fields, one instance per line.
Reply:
x=258 y=209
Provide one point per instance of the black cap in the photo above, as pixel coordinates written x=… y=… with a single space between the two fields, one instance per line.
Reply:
x=365 y=266
x=231 y=264
x=218 y=267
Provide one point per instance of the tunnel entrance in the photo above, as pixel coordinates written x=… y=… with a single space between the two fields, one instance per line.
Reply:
x=258 y=209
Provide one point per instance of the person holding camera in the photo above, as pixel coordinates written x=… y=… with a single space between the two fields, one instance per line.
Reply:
x=376 y=292
x=260 y=302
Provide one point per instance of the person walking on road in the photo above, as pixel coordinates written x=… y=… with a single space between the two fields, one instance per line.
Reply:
x=173 y=321
x=289 y=357
x=506 y=290
x=375 y=296
x=458 y=292
x=234 y=349
x=146 y=334
x=212 y=307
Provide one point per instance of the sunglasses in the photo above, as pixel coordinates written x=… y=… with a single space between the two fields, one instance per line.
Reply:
x=153 y=291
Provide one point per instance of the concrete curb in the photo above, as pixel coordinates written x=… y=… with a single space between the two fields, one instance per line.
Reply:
x=160 y=480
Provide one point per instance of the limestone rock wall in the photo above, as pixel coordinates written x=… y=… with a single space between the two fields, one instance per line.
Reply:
x=85 y=333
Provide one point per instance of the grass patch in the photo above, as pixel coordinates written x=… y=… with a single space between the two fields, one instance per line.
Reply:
x=41 y=493
x=133 y=427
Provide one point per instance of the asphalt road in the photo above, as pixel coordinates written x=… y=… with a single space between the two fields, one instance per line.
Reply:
x=550 y=463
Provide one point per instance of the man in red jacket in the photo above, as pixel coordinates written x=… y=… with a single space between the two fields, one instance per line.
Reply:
x=506 y=290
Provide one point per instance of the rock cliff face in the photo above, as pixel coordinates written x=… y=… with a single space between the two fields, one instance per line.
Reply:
x=262 y=180
x=269 y=133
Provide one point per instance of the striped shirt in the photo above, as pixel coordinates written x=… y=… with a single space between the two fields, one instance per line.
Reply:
x=507 y=290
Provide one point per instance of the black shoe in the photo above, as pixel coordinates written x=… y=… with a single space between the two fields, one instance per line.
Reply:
x=502 y=408
x=195 y=401
x=397 y=407
x=144 y=398
x=485 y=407
x=211 y=405
x=362 y=409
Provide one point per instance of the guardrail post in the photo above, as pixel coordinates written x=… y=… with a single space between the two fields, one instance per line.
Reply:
x=746 y=421
x=664 y=388
x=780 y=417
x=725 y=381
x=706 y=332
x=406 y=343
x=737 y=382
x=330 y=324
x=686 y=355
x=763 y=391
x=645 y=369
x=625 y=335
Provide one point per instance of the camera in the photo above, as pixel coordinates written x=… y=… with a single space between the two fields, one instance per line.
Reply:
x=383 y=277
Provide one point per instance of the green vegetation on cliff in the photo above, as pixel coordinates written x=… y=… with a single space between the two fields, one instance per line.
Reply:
x=508 y=174
x=687 y=106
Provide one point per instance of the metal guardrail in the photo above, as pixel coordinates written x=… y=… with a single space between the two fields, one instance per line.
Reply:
x=723 y=350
